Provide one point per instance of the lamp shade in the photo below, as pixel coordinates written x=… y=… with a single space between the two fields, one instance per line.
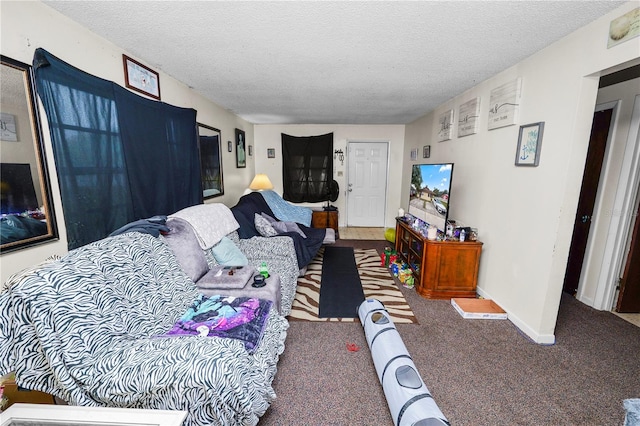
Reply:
x=261 y=181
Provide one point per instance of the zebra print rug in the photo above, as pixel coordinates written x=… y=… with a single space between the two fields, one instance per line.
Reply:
x=377 y=283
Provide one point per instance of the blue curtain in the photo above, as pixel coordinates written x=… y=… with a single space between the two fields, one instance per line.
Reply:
x=119 y=157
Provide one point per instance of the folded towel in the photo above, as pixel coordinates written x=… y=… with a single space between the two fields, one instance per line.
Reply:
x=210 y=222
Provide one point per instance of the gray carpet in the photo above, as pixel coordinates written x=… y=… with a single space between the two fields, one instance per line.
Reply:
x=480 y=372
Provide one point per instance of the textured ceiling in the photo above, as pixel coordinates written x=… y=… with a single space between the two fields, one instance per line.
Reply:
x=377 y=62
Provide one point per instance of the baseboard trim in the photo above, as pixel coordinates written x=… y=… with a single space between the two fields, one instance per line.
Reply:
x=541 y=339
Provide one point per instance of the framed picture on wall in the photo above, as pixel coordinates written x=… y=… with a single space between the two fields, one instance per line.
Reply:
x=140 y=78
x=241 y=145
x=426 y=151
x=445 y=124
x=529 y=143
x=271 y=153
x=8 y=127
x=504 y=104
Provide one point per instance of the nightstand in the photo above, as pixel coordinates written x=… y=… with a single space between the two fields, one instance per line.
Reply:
x=325 y=219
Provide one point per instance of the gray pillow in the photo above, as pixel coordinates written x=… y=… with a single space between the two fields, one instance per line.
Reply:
x=269 y=218
x=184 y=243
x=263 y=226
x=288 y=227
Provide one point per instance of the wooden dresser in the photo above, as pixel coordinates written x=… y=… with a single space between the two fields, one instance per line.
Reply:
x=441 y=269
x=325 y=219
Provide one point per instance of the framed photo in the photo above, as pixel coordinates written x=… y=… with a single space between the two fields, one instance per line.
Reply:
x=141 y=78
x=271 y=153
x=229 y=146
x=529 y=143
x=504 y=104
x=426 y=151
x=241 y=153
x=468 y=115
x=445 y=123
x=8 y=130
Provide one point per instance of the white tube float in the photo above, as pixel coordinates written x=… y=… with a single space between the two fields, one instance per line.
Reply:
x=410 y=402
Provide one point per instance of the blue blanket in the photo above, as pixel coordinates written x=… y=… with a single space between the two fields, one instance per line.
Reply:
x=16 y=227
x=248 y=205
x=285 y=211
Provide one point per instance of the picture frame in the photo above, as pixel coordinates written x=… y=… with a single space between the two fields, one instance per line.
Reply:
x=445 y=125
x=529 y=144
x=210 y=147
x=624 y=28
x=241 y=149
x=426 y=151
x=141 y=78
x=468 y=117
x=8 y=129
x=271 y=153
x=504 y=104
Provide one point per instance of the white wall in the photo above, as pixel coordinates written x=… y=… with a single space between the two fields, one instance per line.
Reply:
x=269 y=136
x=29 y=25
x=525 y=214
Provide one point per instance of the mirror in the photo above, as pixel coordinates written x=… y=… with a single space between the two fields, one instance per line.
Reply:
x=26 y=212
x=210 y=161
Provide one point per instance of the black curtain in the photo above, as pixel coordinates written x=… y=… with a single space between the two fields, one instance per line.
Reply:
x=307 y=167
x=119 y=157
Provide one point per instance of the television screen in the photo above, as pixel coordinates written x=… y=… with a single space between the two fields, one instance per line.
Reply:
x=430 y=193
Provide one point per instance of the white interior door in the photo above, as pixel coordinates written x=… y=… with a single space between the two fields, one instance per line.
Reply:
x=367 y=183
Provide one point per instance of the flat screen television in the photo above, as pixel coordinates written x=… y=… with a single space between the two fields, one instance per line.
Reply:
x=430 y=193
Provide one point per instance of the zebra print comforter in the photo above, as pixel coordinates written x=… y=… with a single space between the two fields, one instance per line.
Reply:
x=81 y=328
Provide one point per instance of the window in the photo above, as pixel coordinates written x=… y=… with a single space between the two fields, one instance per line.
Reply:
x=307 y=167
x=119 y=156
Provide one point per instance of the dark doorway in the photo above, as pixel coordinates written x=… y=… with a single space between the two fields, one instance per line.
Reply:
x=588 y=191
x=629 y=297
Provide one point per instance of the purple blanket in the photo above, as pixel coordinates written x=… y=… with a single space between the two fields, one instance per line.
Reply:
x=241 y=318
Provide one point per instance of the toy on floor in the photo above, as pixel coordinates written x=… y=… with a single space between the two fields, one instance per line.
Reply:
x=409 y=399
x=390 y=235
x=352 y=347
x=388 y=256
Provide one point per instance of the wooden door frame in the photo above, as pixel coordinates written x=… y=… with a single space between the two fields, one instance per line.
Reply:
x=386 y=184
x=620 y=225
